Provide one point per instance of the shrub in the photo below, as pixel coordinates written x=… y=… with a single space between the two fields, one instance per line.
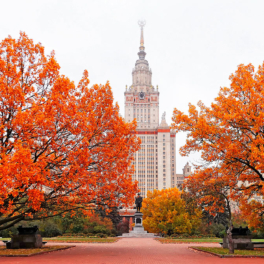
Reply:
x=50 y=229
x=101 y=235
x=217 y=229
x=123 y=227
x=9 y=232
x=113 y=232
x=77 y=228
x=100 y=229
x=222 y=233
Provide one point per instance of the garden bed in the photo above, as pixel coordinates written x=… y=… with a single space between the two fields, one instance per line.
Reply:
x=76 y=239
x=81 y=240
x=4 y=252
x=188 y=240
x=224 y=253
x=171 y=240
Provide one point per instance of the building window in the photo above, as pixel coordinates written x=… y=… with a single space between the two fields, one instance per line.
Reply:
x=163 y=144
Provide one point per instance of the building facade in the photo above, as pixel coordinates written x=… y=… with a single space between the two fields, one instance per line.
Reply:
x=186 y=172
x=155 y=162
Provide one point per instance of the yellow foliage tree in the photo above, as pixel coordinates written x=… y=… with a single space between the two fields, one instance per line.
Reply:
x=165 y=212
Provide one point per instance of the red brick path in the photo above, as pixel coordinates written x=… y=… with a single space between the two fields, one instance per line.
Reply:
x=128 y=251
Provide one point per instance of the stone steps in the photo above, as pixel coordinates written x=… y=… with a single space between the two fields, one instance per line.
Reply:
x=138 y=234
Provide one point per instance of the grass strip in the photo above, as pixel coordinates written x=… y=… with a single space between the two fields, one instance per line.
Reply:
x=188 y=240
x=76 y=239
x=224 y=252
x=81 y=240
x=195 y=240
x=4 y=252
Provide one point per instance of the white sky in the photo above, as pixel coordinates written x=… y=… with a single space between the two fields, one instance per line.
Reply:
x=192 y=46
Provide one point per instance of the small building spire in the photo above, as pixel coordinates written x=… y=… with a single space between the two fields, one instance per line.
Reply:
x=141 y=52
x=142 y=37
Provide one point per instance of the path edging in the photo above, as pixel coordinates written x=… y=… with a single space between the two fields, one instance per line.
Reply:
x=224 y=256
x=39 y=253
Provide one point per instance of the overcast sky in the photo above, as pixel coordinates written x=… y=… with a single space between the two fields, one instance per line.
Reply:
x=192 y=46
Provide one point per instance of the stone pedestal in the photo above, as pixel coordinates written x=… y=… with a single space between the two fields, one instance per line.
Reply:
x=28 y=237
x=138 y=230
x=241 y=239
x=26 y=241
x=240 y=242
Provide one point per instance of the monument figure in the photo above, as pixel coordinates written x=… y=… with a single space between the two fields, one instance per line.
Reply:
x=138 y=202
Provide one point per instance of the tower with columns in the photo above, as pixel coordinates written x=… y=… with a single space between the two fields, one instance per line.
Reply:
x=155 y=162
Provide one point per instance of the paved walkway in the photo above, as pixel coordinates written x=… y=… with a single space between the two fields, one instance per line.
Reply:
x=128 y=251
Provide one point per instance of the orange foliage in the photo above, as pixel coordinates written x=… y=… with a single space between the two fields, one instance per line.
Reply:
x=230 y=133
x=62 y=146
x=252 y=212
x=210 y=191
x=101 y=221
x=165 y=212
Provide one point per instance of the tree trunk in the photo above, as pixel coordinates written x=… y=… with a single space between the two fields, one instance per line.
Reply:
x=230 y=239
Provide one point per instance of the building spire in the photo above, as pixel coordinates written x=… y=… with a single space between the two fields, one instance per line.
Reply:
x=142 y=36
x=142 y=52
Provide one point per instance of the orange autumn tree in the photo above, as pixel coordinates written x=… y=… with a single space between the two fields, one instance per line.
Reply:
x=62 y=147
x=252 y=212
x=165 y=212
x=210 y=191
x=230 y=133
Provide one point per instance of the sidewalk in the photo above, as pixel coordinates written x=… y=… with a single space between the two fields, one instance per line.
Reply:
x=128 y=251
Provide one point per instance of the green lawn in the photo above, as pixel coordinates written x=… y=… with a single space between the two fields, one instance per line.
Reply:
x=224 y=251
x=195 y=240
x=28 y=252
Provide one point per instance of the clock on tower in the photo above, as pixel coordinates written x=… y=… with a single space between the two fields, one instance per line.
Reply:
x=141 y=95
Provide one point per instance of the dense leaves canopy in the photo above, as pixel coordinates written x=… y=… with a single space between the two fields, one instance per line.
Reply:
x=165 y=212
x=62 y=146
x=211 y=192
x=230 y=134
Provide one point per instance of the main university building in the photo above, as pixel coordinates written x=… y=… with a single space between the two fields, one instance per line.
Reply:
x=155 y=162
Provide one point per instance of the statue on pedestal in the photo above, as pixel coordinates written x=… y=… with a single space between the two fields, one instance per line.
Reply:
x=138 y=202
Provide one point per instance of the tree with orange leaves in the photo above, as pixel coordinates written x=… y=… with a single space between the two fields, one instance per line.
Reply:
x=165 y=212
x=230 y=133
x=210 y=191
x=62 y=147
